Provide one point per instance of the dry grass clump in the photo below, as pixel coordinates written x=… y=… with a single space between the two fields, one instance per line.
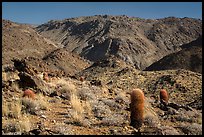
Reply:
x=9 y=76
x=85 y=93
x=12 y=109
x=19 y=125
x=66 y=88
x=191 y=129
x=41 y=100
x=113 y=120
x=4 y=76
x=16 y=109
x=111 y=103
x=62 y=129
x=88 y=108
x=121 y=97
x=78 y=109
x=5 y=109
x=31 y=106
x=167 y=130
x=100 y=110
x=150 y=117
x=10 y=126
x=40 y=75
x=15 y=86
x=150 y=120
x=13 y=121
x=25 y=124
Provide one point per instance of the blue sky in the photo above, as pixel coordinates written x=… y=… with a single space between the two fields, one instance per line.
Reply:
x=41 y=12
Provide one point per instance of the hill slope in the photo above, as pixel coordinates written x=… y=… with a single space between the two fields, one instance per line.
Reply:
x=190 y=58
x=21 y=41
x=137 y=41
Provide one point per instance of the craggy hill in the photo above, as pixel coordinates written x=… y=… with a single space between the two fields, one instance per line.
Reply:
x=189 y=58
x=134 y=40
x=21 y=41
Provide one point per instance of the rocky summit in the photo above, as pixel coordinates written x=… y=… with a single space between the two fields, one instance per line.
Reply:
x=75 y=76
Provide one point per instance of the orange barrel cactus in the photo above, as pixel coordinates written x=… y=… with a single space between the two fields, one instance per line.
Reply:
x=164 y=96
x=137 y=108
x=29 y=93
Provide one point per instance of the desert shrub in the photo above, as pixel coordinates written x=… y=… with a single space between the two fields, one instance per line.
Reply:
x=29 y=106
x=77 y=109
x=41 y=100
x=4 y=76
x=5 y=109
x=166 y=130
x=100 y=110
x=32 y=106
x=15 y=109
x=47 y=89
x=113 y=120
x=192 y=129
x=151 y=120
x=121 y=98
x=15 y=86
x=150 y=116
x=88 y=108
x=10 y=126
x=183 y=118
x=85 y=94
x=25 y=124
x=62 y=129
x=194 y=116
x=16 y=126
x=111 y=103
x=66 y=88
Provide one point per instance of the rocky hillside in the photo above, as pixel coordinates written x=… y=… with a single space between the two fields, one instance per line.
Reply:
x=134 y=40
x=99 y=103
x=118 y=75
x=189 y=58
x=21 y=41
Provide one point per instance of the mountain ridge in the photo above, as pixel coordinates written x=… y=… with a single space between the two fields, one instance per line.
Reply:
x=134 y=40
